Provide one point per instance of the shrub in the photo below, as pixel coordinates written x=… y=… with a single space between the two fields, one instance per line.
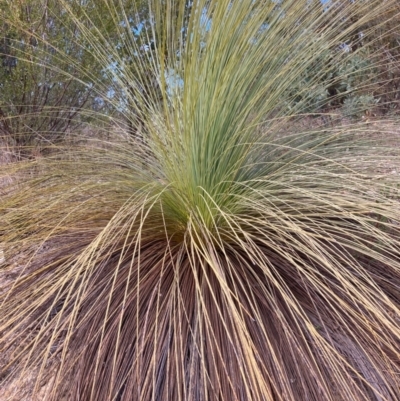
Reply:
x=209 y=259
x=348 y=79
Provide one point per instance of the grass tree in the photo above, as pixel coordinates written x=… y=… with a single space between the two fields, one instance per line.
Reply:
x=227 y=255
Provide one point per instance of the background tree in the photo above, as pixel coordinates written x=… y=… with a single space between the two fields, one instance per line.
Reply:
x=51 y=81
x=42 y=93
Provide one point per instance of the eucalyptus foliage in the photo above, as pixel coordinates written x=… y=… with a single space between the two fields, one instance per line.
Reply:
x=224 y=251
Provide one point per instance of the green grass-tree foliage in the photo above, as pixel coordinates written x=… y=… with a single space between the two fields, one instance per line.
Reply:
x=229 y=255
